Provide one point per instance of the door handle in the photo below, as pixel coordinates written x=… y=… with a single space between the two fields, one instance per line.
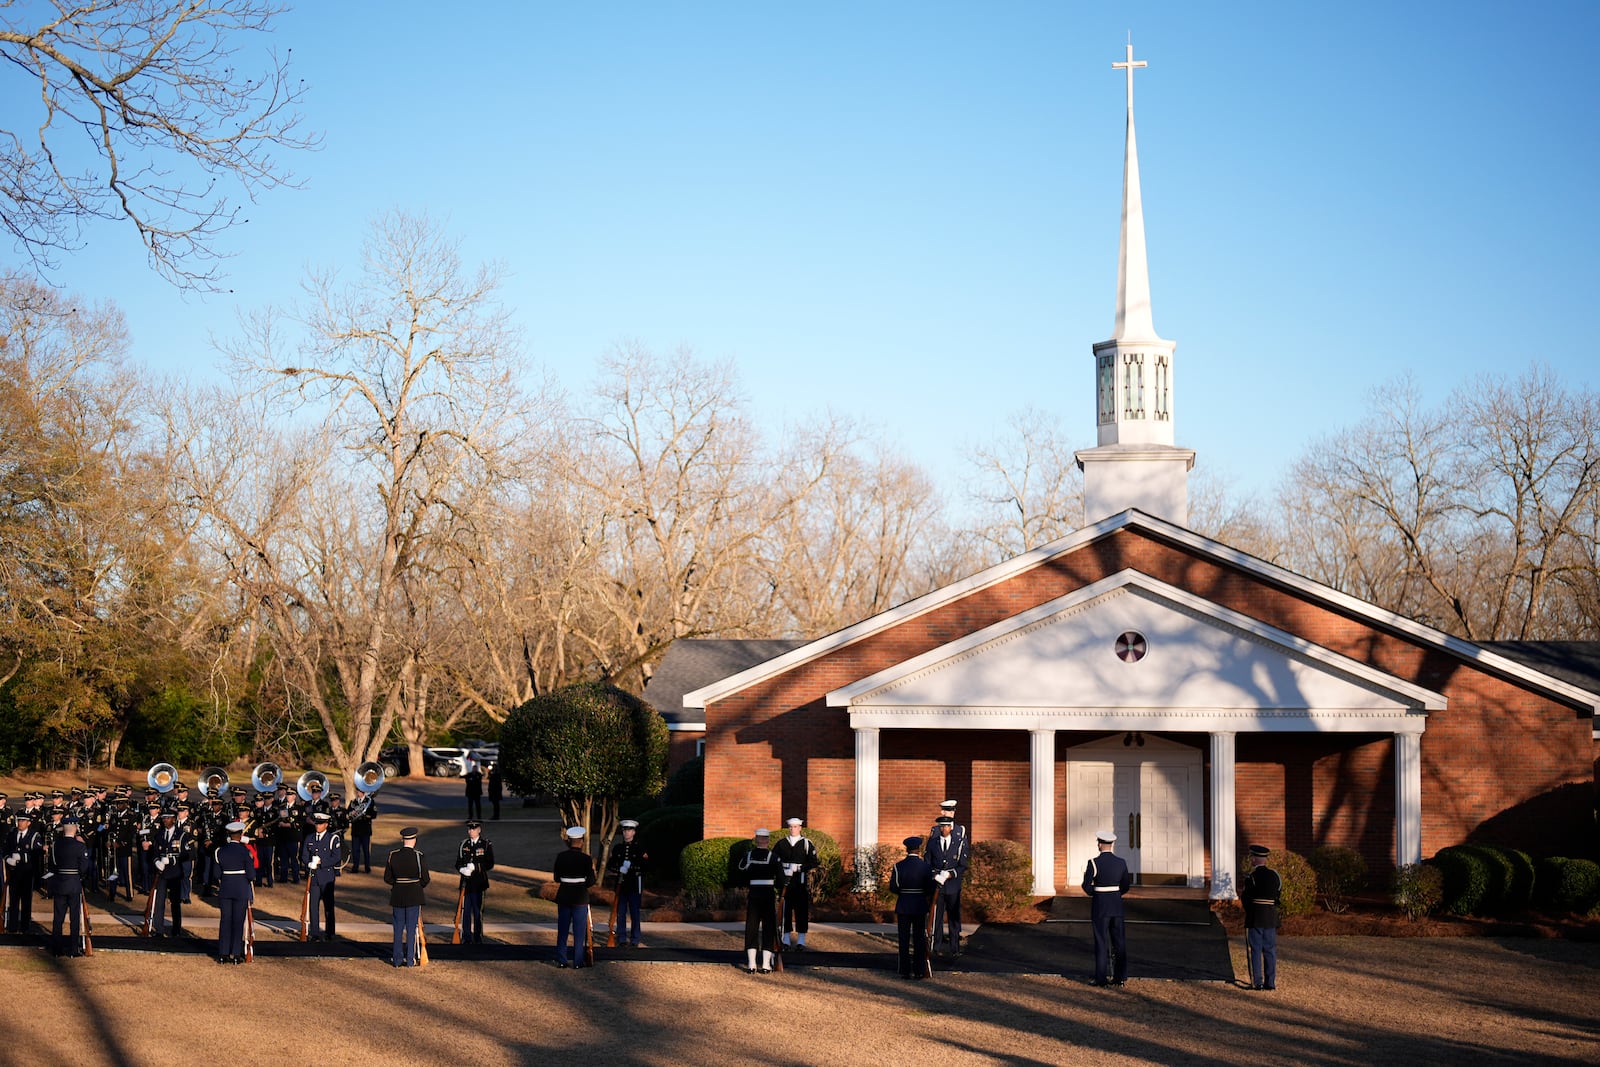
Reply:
x=1133 y=830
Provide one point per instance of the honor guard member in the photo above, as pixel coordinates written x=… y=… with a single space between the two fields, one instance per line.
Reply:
x=1263 y=890
x=360 y=837
x=236 y=870
x=474 y=861
x=474 y=780
x=149 y=826
x=762 y=871
x=23 y=850
x=320 y=856
x=948 y=855
x=209 y=823
x=262 y=828
x=573 y=869
x=172 y=847
x=7 y=816
x=911 y=881
x=187 y=861
x=1106 y=879
x=948 y=808
x=799 y=858
x=627 y=865
x=406 y=873
x=91 y=831
x=67 y=866
x=124 y=838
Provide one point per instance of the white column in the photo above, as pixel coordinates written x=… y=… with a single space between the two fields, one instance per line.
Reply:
x=1224 y=847
x=866 y=790
x=1407 y=798
x=1042 y=793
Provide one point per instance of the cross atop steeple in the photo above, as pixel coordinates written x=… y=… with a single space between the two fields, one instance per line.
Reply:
x=1129 y=67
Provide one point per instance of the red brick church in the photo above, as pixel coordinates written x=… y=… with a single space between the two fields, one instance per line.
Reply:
x=1140 y=676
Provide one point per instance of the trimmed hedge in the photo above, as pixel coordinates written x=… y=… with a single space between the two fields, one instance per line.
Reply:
x=704 y=866
x=999 y=879
x=1567 y=885
x=1485 y=879
x=1340 y=872
x=1299 y=882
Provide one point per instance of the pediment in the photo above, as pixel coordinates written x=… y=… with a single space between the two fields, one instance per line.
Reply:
x=1197 y=656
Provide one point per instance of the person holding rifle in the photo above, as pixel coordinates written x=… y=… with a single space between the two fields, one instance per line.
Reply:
x=474 y=861
x=407 y=875
x=173 y=847
x=762 y=871
x=235 y=865
x=948 y=854
x=911 y=881
x=320 y=855
x=1263 y=890
x=573 y=870
x=627 y=864
x=23 y=850
x=68 y=864
x=799 y=858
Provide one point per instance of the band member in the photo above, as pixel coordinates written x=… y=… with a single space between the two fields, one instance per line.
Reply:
x=474 y=861
x=361 y=837
x=407 y=873
x=186 y=861
x=68 y=864
x=949 y=856
x=1263 y=889
x=149 y=826
x=762 y=871
x=627 y=865
x=262 y=830
x=236 y=871
x=1106 y=879
x=799 y=858
x=319 y=855
x=172 y=847
x=574 y=870
x=911 y=881
x=287 y=836
x=23 y=850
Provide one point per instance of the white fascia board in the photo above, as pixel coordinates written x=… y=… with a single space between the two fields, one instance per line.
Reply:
x=822 y=646
x=676 y=727
x=1457 y=646
x=1275 y=720
x=1406 y=692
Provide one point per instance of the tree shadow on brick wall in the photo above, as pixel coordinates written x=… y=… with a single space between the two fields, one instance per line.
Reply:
x=1559 y=822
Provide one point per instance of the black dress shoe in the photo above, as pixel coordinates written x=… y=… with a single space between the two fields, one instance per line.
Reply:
x=562 y=964
x=1100 y=985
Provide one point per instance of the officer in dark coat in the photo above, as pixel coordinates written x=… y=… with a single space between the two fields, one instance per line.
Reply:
x=626 y=865
x=949 y=854
x=320 y=855
x=1106 y=879
x=1263 y=890
x=762 y=871
x=474 y=861
x=474 y=780
x=799 y=857
x=173 y=848
x=406 y=872
x=497 y=790
x=23 y=852
x=235 y=865
x=66 y=868
x=911 y=881
x=574 y=872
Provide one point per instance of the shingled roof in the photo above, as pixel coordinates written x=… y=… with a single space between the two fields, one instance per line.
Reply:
x=695 y=662
x=1577 y=662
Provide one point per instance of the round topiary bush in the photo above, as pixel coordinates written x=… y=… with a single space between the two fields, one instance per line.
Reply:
x=1467 y=879
x=1299 y=882
x=1340 y=873
x=703 y=866
x=999 y=881
x=1568 y=885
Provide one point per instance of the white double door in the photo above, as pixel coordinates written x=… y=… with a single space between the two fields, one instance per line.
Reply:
x=1151 y=796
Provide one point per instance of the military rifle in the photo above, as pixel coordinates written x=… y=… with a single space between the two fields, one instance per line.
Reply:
x=422 y=941
x=616 y=900
x=777 y=929
x=305 y=907
x=88 y=927
x=249 y=931
x=461 y=900
x=588 y=937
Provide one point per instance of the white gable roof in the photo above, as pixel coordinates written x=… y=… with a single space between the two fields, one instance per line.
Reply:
x=1204 y=546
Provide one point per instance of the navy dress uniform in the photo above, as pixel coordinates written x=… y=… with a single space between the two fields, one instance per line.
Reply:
x=474 y=861
x=1263 y=891
x=68 y=865
x=799 y=857
x=574 y=873
x=320 y=855
x=911 y=881
x=761 y=870
x=23 y=852
x=406 y=873
x=1106 y=878
x=235 y=865
x=949 y=854
x=173 y=848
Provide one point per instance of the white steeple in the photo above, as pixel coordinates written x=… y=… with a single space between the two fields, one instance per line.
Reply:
x=1136 y=463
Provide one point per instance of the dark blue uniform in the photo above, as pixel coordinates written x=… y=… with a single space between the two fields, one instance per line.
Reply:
x=406 y=873
x=948 y=856
x=236 y=873
x=574 y=872
x=23 y=852
x=480 y=854
x=69 y=864
x=173 y=849
x=912 y=883
x=1262 y=891
x=326 y=848
x=1106 y=879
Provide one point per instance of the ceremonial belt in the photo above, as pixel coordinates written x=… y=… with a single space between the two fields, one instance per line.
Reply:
x=406 y=881
x=1274 y=903
x=1108 y=889
x=233 y=872
x=574 y=880
x=761 y=881
x=908 y=892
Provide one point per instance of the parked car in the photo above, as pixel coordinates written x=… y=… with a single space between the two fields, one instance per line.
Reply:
x=436 y=762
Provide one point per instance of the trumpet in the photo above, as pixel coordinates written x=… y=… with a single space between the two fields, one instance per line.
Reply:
x=163 y=777
x=213 y=782
x=265 y=777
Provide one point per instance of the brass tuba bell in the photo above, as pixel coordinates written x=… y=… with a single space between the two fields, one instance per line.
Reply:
x=307 y=780
x=266 y=777
x=213 y=782
x=162 y=777
x=369 y=779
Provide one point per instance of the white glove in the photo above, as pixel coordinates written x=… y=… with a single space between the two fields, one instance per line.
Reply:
x=13 y=859
x=942 y=877
x=468 y=869
x=245 y=838
x=316 y=861
x=790 y=869
x=161 y=864
x=625 y=865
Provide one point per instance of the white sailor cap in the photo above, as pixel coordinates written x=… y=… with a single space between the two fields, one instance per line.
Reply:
x=575 y=832
x=763 y=832
x=796 y=822
x=1108 y=836
x=948 y=805
x=235 y=827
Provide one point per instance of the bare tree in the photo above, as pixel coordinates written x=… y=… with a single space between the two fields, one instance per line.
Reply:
x=1028 y=486
x=142 y=116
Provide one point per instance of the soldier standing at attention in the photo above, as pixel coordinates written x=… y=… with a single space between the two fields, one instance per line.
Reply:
x=762 y=871
x=627 y=862
x=235 y=865
x=799 y=858
x=1106 y=879
x=23 y=849
x=948 y=854
x=173 y=848
x=912 y=883
x=407 y=874
x=474 y=861
x=69 y=862
x=574 y=872
x=320 y=855
x=1263 y=889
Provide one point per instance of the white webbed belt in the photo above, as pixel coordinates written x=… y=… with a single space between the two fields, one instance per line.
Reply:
x=574 y=881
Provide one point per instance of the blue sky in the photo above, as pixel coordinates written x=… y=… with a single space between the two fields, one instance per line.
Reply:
x=908 y=213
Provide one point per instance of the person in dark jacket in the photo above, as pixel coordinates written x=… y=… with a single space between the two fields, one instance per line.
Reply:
x=573 y=870
x=799 y=858
x=497 y=788
x=320 y=854
x=1106 y=878
x=66 y=868
x=23 y=851
x=407 y=874
x=173 y=846
x=761 y=870
x=911 y=881
x=235 y=865
x=627 y=865
x=949 y=854
x=474 y=782
x=474 y=861
x=1263 y=889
